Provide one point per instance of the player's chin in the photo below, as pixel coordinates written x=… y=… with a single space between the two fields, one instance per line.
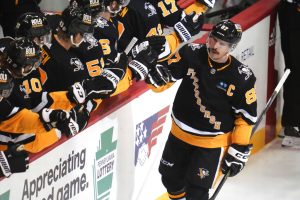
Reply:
x=214 y=55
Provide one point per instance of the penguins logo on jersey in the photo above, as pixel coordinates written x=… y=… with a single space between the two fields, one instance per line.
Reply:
x=195 y=46
x=89 y=38
x=77 y=64
x=149 y=7
x=101 y=22
x=203 y=173
x=245 y=70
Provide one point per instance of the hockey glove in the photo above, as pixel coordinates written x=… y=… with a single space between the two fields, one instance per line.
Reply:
x=189 y=26
x=102 y=86
x=50 y=117
x=117 y=64
x=157 y=43
x=158 y=76
x=13 y=160
x=146 y=59
x=139 y=47
x=76 y=93
x=81 y=113
x=69 y=127
x=236 y=159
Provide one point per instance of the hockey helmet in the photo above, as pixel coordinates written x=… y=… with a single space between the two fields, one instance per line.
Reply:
x=6 y=84
x=76 y=20
x=95 y=6
x=227 y=31
x=33 y=25
x=23 y=56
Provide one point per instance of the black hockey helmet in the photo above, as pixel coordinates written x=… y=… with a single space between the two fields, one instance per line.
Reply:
x=6 y=84
x=227 y=31
x=114 y=6
x=77 y=20
x=32 y=25
x=23 y=56
x=95 y=6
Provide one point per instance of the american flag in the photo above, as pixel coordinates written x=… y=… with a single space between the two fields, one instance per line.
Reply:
x=146 y=135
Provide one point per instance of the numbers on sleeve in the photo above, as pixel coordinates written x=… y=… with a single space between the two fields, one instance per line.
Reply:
x=155 y=31
x=105 y=44
x=165 y=11
x=94 y=68
x=250 y=96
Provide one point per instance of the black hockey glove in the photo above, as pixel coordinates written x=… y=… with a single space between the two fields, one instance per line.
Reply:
x=60 y=120
x=13 y=160
x=157 y=43
x=158 y=76
x=143 y=61
x=236 y=159
x=117 y=64
x=101 y=87
x=189 y=26
x=81 y=113
x=50 y=117
x=76 y=93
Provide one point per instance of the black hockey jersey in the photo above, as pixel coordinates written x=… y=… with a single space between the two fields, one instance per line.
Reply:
x=90 y=54
x=211 y=96
x=61 y=68
x=139 y=19
x=170 y=13
x=106 y=32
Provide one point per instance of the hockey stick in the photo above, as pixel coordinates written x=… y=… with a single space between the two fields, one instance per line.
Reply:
x=130 y=45
x=269 y=103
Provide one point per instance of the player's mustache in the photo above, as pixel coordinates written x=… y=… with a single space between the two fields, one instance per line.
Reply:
x=213 y=50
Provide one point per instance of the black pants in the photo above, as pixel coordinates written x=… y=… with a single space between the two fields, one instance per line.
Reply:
x=188 y=167
x=289 y=21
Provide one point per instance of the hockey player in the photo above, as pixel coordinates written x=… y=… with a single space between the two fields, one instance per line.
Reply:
x=61 y=68
x=106 y=32
x=213 y=113
x=19 y=125
x=35 y=26
x=133 y=17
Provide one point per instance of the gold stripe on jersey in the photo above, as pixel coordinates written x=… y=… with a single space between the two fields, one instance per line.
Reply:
x=60 y=101
x=43 y=76
x=197 y=7
x=242 y=132
x=124 y=83
x=121 y=29
x=42 y=140
x=177 y=195
x=123 y=11
x=160 y=89
x=201 y=141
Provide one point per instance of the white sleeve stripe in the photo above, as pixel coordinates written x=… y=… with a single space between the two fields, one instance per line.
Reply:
x=245 y=114
x=44 y=102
